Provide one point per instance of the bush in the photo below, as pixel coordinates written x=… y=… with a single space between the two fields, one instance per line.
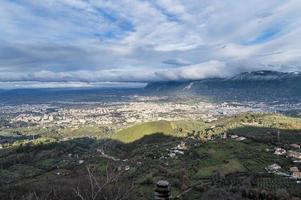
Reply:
x=147 y=180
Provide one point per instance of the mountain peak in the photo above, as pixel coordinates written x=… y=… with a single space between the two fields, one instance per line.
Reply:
x=264 y=75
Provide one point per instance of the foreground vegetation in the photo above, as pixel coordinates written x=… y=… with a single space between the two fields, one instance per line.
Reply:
x=132 y=160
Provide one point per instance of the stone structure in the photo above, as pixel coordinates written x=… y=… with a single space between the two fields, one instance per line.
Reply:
x=162 y=191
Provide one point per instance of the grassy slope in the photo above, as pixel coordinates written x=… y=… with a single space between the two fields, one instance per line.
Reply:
x=168 y=128
x=138 y=131
x=246 y=124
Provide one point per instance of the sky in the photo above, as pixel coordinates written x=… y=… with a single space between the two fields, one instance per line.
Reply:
x=83 y=42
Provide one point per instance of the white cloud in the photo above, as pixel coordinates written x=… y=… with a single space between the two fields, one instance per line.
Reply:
x=212 y=68
x=194 y=72
x=37 y=84
x=100 y=40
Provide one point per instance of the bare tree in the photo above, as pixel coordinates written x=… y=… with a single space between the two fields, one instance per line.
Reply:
x=103 y=187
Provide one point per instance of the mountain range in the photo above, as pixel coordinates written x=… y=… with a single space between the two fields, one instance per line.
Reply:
x=255 y=85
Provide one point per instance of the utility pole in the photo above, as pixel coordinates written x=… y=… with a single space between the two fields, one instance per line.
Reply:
x=278 y=135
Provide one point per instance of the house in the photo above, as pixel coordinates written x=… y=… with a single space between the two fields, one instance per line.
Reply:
x=127 y=168
x=273 y=168
x=294 y=169
x=178 y=152
x=182 y=146
x=240 y=138
x=296 y=175
x=101 y=151
x=294 y=154
x=234 y=136
x=279 y=151
x=172 y=155
x=295 y=146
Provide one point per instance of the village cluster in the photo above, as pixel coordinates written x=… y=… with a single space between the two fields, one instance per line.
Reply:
x=291 y=151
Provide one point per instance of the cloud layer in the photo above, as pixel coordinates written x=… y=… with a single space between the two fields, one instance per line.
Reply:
x=146 y=40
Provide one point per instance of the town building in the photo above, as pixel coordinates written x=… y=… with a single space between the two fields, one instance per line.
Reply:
x=279 y=151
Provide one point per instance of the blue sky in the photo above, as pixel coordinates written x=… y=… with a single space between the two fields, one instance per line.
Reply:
x=145 y=40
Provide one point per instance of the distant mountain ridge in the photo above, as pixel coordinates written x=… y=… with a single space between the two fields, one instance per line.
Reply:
x=245 y=86
x=265 y=75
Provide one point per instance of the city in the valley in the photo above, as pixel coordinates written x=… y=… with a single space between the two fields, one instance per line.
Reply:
x=121 y=114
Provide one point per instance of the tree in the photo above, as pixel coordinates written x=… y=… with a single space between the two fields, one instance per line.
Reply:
x=217 y=193
x=107 y=187
x=282 y=194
